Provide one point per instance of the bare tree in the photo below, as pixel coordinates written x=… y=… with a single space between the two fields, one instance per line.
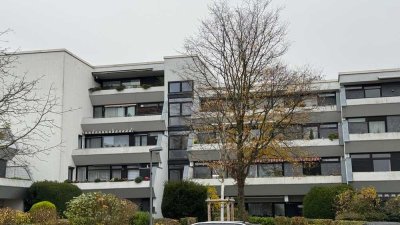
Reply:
x=245 y=96
x=26 y=112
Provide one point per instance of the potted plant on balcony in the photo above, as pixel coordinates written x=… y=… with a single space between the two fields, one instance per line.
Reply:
x=333 y=136
x=138 y=179
x=120 y=88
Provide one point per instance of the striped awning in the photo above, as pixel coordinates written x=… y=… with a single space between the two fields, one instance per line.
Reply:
x=108 y=131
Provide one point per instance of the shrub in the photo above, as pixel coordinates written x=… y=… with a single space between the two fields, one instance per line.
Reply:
x=184 y=199
x=392 y=209
x=344 y=222
x=166 y=221
x=99 y=208
x=10 y=216
x=362 y=205
x=350 y=216
x=298 y=221
x=120 y=88
x=145 y=86
x=57 y=193
x=188 y=220
x=43 y=212
x=261 y=220
x=140 y=218
x=321 y=222
x=319 y=203
x=281 y=220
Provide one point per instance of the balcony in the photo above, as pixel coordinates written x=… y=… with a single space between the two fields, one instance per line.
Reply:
x=373 y=142
x=376 y=176
x=127 y=96
x=203 y=152
x=123 y=124
x=123 y=189
x=372 y=106
x=115 y=155
x=275 y=185
x=11 y=188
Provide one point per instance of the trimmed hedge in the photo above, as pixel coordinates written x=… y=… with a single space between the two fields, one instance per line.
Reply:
x=43 y=212
x=262 y=220
x=319 y=201
x=140 y=218
x=184 y=199
x=57 y=193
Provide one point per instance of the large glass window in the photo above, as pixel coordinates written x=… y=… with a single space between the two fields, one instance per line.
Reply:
x=367 y=125
x=377 y=162
x=202 y=172
x=98 y=111
x=180 y=109
x=131 y=83
x=270 y=170
x=180 y=86
x=312 y=168
x=293 y=169
x=93 y=142
x=111 y=84
x=116 y=141
x=114 y=112
x=363 y=91
x=310 y=132
x=149 y=109
x=330 y=167
x=372 y=91
x=328 y=131
x=81 y=174
x=98 y=173
x=325 y=99
x=178 y=142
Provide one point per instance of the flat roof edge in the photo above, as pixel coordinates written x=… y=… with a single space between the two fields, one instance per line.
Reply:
x=52 y=51
x=370 y=71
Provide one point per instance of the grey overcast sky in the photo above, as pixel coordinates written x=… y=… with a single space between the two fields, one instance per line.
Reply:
x=330 y=35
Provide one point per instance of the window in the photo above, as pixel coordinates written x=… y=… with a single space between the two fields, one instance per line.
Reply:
x=110 y=112
x=252 y=171
x=367 y=125
x=70 y=173
x=149 y=109
x=180 y=109
x=206 y=138
x=325 y=99
x=372 y=91
x=98 y=112
x=111 y=84
x=182 y=86
x=310 y=132
x=93 y=142
x=98 y=173
x=201 y=171
x=133 y=172
x=381 y=162
x=116 y=141
x=178 y=142
x=81 y=173
x=116 y=172
x=270 y=170
x=312 y=168
x=131 y=83
x=79 y=141
x=330 y=167
x=361 y=163
x=130 y=111
x=140 y=139
x=293 y=170
x=363 y=91
x=328 y=130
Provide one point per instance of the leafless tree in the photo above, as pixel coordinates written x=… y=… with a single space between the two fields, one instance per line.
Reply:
x=245 y=96
x=26 y=112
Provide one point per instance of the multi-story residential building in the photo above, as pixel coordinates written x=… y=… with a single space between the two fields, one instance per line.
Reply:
x=117 y=113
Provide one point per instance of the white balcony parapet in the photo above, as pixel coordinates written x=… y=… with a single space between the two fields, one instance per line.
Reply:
x=276 y=180
x=114 y=155
x=123 y=124
x=128 y=95
x=112 y=185
x=376 y=176
x=13 y=188
x=373 y=101
x=374 y=136
x=313 y=142
x=11 y=182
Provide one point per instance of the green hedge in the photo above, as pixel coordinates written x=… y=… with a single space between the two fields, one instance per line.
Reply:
x=57 y=193
x=299 y=221
x=319 y=201
x=140 y=218
x=262 y=220
x=184 y=199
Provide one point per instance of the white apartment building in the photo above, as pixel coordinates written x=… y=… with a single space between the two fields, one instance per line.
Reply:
x=117 y=113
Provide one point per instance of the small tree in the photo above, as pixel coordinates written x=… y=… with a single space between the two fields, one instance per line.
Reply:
x=319 y=203
x=184 y=199
x=57 y=193
x=392 y=208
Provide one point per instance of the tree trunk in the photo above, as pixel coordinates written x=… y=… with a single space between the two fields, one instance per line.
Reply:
x=242 y=215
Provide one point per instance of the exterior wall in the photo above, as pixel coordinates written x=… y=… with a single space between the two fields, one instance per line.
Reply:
x=71 y=77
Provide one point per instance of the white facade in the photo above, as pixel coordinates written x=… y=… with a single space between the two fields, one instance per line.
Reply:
x=81 y=157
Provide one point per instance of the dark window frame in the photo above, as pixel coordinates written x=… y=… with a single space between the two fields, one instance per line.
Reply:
x=364 y=87
x=180 y=86
x=370 y=119
x=370 y=160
